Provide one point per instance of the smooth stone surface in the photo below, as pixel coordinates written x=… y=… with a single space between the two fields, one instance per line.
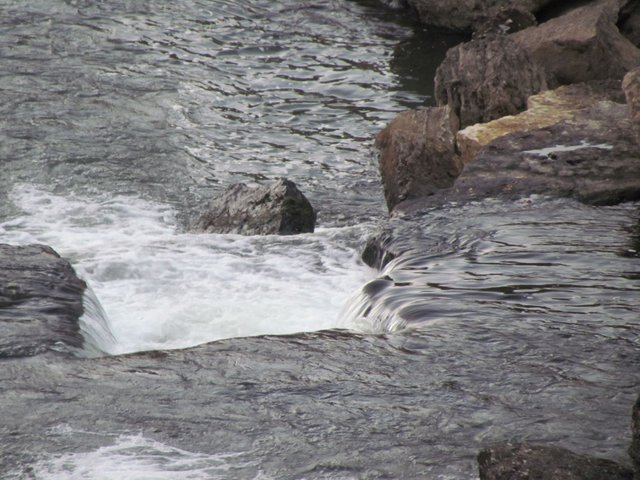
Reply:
x=417 y=153
x=487 y=78
x=593 y=157
x=583 y=44
x=524 y=461
x=40 y=302
x=278 y=208
x=543 y=110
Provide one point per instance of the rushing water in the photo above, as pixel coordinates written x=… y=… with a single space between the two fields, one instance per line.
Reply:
x=120 y=119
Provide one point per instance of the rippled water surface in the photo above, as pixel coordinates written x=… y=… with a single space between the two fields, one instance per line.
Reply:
x=119 y=120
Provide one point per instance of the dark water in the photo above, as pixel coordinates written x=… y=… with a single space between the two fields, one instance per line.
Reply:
x=118 y=120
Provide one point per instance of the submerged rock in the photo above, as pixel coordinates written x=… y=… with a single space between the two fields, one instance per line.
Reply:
x=487 y=78
x=40 y=302
x=275 y=209
x=583 y=44
x=524 y=461
x=465 y=15
x=417 y=153
x=631 y=87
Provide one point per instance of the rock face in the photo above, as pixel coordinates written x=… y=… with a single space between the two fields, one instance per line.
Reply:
x=464 y=15
x=417 y=153
x=583 y=44
x=487 y=78
x=543 y=110
x=631 y=87
x=634 y=448
x=275 y=209
x=40 y=302
x=534 y=462
x=593 y=157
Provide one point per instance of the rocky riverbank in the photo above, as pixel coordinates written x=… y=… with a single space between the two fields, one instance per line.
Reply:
x=542 y=100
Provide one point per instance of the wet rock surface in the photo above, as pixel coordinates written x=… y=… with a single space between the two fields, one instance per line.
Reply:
x=417 y=154
x=631 y=87
x=537 y=462
x=278 y=208
x=487 y=78
x=40 y=302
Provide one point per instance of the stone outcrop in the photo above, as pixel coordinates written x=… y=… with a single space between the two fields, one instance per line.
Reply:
x=631 y=87
x=275 y=209
x=583 y=44
x=593 y=157
x=40 y=302
x=465 y=15
x=536 y=462
x=487 y=78
x=543 y=110
x=417 y=153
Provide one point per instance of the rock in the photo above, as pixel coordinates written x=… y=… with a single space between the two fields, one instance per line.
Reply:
x=275 y=209
x=583 y=44
x=417 y=153
x=40 y=302
x=378 y=251
x=631 y=87
x=593 y=157
x=463 y=15
x=543 y=110
x=629 y=22
x=487 y=78
x=504 y=20
x=536 y=462
x=634 y=448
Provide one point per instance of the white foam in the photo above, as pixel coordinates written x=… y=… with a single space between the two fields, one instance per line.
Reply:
x=162 y=289
x=134 y=457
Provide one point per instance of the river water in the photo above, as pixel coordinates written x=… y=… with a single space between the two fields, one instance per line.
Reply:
x=120 y=120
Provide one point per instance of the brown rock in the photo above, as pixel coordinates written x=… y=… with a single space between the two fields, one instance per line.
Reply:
x=536 y=462
x=487 y=78
x=417 y=153
x=543 y=110
x=631 y=87
x=275 y=209
x=583 y=44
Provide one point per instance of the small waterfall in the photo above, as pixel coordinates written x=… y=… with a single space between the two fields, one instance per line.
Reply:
x=94 y=325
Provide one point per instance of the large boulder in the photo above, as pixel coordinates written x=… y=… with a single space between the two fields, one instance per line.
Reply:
x=278 y=208
x=464 y=15
x=631 y=87
x=487 y=78
x=592 y=157
x=524 y=461
x=417 y=153
x=40 y=302
x=583 y=44
x=543 y=110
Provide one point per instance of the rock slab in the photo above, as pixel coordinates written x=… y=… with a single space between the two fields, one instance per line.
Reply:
x=417 y=153
x=275 y=209
x=40 y=302
x=536 y=462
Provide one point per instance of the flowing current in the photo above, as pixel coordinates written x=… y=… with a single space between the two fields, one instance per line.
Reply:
x=121 y=120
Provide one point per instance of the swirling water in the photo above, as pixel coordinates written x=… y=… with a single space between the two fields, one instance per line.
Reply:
x=121 y=119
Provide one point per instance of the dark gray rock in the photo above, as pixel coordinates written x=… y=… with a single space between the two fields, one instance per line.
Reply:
x=593 y=157
x=631 y=87
x=379 y=251
x=629 y=22
x=583 y=44
x=487 y=78
x=275 y=209
x=417 y=153
x=40 y=302
x=463 y=15
x=524 y=461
